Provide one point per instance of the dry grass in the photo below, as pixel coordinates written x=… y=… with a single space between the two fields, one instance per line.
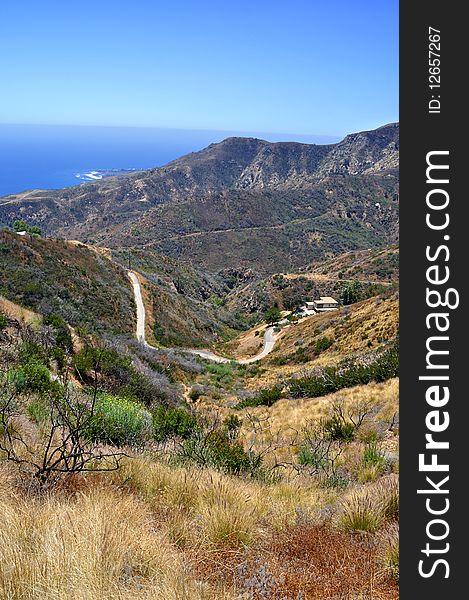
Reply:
x=153 y=531
x=289 y=416
x=388 y=553
x=142 y=532
x=367 y=508
x=100 y=545
x=246 y=344
x=325 y=564
x=315 y=562
x=18 y=312
x=208 y=509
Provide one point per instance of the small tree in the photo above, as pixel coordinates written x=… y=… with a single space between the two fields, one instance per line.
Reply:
x=272 y=315
x=21 y=225
x=62 y=444
x=319 y=453
x=351 y=293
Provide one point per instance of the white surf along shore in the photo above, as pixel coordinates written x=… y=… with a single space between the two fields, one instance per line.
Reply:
x=269 y=336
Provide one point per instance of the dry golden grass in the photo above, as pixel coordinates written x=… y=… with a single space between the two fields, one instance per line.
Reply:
x=368 y=508
x=289 y=416
x=16 y=311
x=158 y=532
x=134 y=534
x=98 y=545
x=211 y=509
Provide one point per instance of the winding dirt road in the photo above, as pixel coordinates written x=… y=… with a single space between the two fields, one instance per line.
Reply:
x=269 y=335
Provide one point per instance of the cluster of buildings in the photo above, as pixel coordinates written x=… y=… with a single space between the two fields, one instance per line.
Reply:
x=323 y=304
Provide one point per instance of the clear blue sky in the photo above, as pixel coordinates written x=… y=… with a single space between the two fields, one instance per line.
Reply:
x=301 y=66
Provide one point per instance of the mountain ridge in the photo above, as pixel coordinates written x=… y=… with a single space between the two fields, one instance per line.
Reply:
x=247 y=144
x=236 y=199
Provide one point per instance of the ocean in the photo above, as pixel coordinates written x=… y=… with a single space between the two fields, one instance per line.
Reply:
x=56 y=156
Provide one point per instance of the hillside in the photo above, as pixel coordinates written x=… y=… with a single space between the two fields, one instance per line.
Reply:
x=69 y=279
x=134 y=468
x=87 y=289
x=350 y=331
x=355 y=332
x=239 y=203
x=270 y=230
x=221 y=478
x=370 y=265
x=371 y=270
x=178 y=277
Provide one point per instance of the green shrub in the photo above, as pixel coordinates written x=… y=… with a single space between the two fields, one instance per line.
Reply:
x=32 y=377
x=336 y=480
x=119 y=377
x=3 y=322
x=301 y=355
x=39 y=411
x=58 y=354
x=333 y=379
x=223 y=373
x=269 y=396
x=266 y=397
x=216 y=300
x=194 y=394
x=272 y=315
x=351 y=293
x=63 y=337
x=310 y=457
x=217 y=450
x=372 y=455
x=158 y=332
x=170 y=422
x=322 y=344
x=30 y=350
x=119 y=421
x=321 y=461
x=228 y=456
x=21 y=225
x=137 y=386
x=102 y=360
x=280 y=360
x=336 y=428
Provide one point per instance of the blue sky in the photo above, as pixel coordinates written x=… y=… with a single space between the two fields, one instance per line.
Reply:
x=324 y=67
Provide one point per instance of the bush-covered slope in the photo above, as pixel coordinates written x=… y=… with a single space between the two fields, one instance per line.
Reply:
x=349 y=331
x=69 y=279
x=91 y=291
x=368 y=272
